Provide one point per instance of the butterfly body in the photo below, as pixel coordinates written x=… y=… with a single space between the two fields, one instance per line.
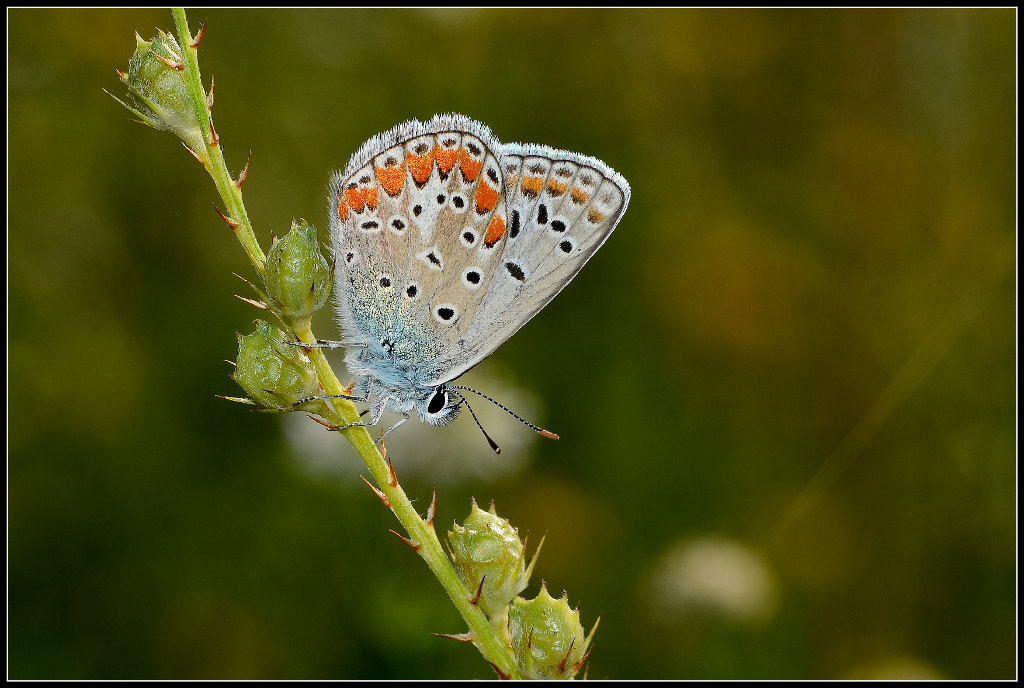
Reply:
x=446 y=242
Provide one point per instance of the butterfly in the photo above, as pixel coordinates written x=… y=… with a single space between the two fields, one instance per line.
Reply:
x=446 y=242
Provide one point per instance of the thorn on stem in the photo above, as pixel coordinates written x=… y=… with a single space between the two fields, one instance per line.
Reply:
x=233 y=224
x=239 y=400
x=433 y=509
x=252 y=302
x=214 y=141
x=393 y=480
x=194 y=154
x=199 y=36
x=479 y=591
x=461 y=637
x=209 y=96
x=561 y=665
x=244 y=173
x=170 y=63
x=380 y=495
x=404 y=539
x=501 y=674
x=332 y=426
x=576 y=667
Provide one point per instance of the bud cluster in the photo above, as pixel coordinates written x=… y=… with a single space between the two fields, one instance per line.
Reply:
x=545 y=635
x=158 y=90
x=275 y=373
x=298 y=277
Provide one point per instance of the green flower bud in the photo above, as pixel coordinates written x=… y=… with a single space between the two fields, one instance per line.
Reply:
x=547 y=638
x=275 y=374
x=298 y=277
x=488 y=548
x=158 y=90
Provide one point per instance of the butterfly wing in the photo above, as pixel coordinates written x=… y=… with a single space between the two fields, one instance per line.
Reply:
x=418 y=221
x=561 y=207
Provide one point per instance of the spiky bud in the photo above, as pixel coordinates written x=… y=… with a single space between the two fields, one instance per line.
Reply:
x=298 y=278
x=159 y=93
x=274 y=373
x=547 y=638
x=487 y=548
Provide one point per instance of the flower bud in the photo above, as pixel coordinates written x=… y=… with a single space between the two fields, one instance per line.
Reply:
x=158 y=90
x=488 y=548
x=275 y=374
x=547 y=638
x=298 y=278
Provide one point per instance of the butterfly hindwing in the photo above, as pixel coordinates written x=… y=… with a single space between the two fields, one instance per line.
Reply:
x=417 y=225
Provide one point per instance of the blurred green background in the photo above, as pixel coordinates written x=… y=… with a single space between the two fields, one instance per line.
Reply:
x=785 y=386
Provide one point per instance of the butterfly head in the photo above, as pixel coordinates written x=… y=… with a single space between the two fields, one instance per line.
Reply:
x=439 y=406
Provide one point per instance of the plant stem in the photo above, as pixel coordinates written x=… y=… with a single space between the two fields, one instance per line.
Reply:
x=420 y=532
x=213 y=160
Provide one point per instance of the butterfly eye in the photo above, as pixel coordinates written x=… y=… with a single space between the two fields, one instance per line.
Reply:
x=437 y=402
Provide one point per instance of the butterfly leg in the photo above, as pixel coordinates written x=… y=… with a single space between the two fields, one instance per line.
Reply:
x=328 y=344
x=322 y=397
x=339 y=428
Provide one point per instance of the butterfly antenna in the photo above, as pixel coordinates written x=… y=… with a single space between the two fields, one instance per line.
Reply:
x=494 y=445
x=538 y=430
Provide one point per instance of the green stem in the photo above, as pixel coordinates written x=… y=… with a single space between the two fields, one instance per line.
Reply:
x=420 y=532
x=213 y=160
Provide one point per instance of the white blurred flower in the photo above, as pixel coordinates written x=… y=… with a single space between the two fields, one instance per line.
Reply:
x=441 y=456
x=714 y=576
x=897 y=667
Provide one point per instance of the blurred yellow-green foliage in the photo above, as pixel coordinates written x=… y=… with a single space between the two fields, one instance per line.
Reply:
x=785 y=386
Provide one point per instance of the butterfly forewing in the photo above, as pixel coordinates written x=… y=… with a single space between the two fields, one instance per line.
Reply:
x=561 y=208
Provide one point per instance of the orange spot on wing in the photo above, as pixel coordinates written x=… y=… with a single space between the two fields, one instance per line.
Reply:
x=494 y=231
x=391 y=178
x=421 y=165
x=532 y=186
x=556 y=187
x=470 y=167
x=370 y=197
x=486 y=197
x=511 y=183
x=354 y=198
x=595 y=215
x=342 y=208
x=446 y=159
x=579 y=196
